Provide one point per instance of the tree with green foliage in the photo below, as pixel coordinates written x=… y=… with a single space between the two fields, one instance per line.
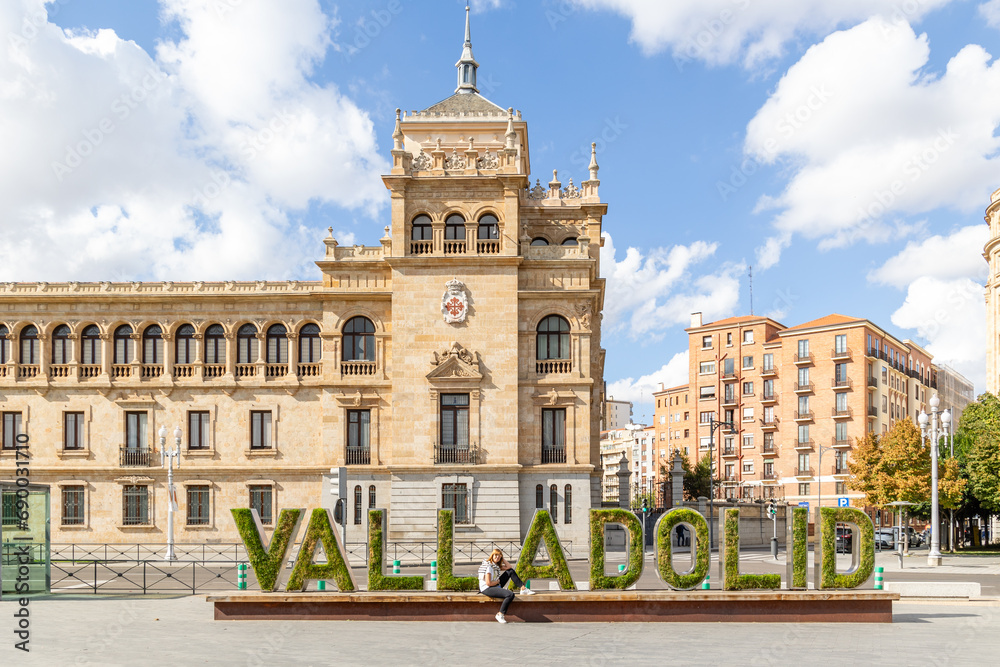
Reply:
x=977 y=444
x=696 y=480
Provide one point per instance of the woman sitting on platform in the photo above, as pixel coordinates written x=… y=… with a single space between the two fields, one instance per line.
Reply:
x=494 y=574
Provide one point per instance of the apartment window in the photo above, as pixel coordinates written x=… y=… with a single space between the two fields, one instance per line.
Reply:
x=4 y=345
x=748 y=467
x=730 y=393
x=803 y=348
x=729 y=340
x=29 y=345
x=489 y=228
x=11 y=429
x=768 y=415
x=184 y=347
x=421 y=229
x=554 y=503
x=136 y=436
x=885 y=404
x=357 y=505
x=803 y=462
x=706 y=393
x=358 y=437
x=663 y=419
x=803 y=377
x=247 y=345
x=454 y=228
x=260 y=430
x=198 y=505
x=769 y=468
x=748 y=441
x=261 y=500
x=804 y=488
x=705 y=417
x=748 y=414
x=840 y=344
x=152 y=346
x=372 y=499
x=552 y=338
x=135 y=505
x=568 y=504
x=90 y=343
x=768 y=388
x=456 y=497
x=706 y=342
x=885 y=375
x=748 y=337
x=277 y=345
x=840 y=461
x=767 y=362
x=215 y=345
x=769 y=442
x=198 y=434
x=706 y=367
x=748 y=388
x=730 y=471
x=803 y=434
x=687 y=415
x=748 y=362
x=729 y=416
x=841 y=403
x=703 y=443
x=454 y=421
x=687 y=432
x=803 y=405
x=72 y=506
x=554 y=435
x=72 y=430
x=728 y=367
x=310 y=345
x=61 y=345
x=841 y=488
x=539 y=497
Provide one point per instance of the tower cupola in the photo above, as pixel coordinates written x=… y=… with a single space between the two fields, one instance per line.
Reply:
x=467 y=66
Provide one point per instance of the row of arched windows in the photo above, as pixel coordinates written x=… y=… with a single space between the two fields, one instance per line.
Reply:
x=358 y=344
x=554 y=502
x=454 y=228
x=538 y=240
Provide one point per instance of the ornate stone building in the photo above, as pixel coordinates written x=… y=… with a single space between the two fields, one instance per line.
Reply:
x=457 y=363
x=992 y=255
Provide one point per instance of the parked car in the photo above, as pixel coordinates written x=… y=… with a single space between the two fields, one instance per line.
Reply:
x=845 y=539
x=885 y=538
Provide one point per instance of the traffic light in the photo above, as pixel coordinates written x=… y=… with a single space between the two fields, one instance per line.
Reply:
x=771 y=509
x=645 y=504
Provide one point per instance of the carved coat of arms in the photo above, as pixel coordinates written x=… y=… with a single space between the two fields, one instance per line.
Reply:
x=455 y=302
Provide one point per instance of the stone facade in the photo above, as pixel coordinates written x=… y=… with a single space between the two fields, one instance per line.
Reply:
x=413 y=368
x=992 y=255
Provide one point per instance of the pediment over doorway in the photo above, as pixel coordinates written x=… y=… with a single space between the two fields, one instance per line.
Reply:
x=456 y=364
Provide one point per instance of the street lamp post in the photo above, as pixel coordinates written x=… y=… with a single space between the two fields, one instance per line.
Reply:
x=712 y=425
x=167 y=457
x=819 y=477
x=929 y=426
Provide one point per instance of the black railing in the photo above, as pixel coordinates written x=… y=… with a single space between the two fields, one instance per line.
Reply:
x=553 y=455
x=136 y=457
x=466 y=456
x=358 y=456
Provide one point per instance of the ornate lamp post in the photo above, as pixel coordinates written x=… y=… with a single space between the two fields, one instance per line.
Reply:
x=929 y=426
x=167 y=458
x=712 y=425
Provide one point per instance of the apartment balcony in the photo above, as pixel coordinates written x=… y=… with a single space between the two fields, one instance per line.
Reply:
x=730 y=400
x=804 y=388
x=804 y=446
x=872 y=382
x=769 y=398
x=358 y=368
x=769 y=476
x=803 y=472
x=458 y=455
x=842 y=383
x=58 y=371
x=121 y=371
x=842 y=355
x=769 y=424
x=275 y=370
x=841 y=470
x=841 y=443
x=803 y=416
x=554 y=367
x=803 y=359
x=184 y=371
x=769 y=372
x=553 y=455
x=837 y=413
x=87 y=371
x=151 y=371
x=871 y=352
x=312 y=370
x=136 y=457
x=729 y=479
x=770 y=448
x=488 y=247
x=246 y=370
x=872 y=412
x=730 y=452
x=421 y=247
x=728 y=375
x=209 y=371
x=358 y=456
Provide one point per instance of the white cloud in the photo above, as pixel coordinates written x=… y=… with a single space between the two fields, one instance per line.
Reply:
x=869 y=137
x=647 y=293
x=726 y=31
x=480 y=6
x=991 y=12
x=959 y=255
x=674 y=373
x=951 y=316
x=188 y=163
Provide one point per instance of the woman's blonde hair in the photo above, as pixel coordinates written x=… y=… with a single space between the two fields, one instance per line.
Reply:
x=494 y=553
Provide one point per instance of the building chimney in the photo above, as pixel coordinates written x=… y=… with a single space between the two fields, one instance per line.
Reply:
x=695 y=320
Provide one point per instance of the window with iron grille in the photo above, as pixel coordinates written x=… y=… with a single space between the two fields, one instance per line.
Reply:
x=358 y=437
x=554 y=435
x=198 y=434
x=11 y=429
x=72 y=430
x=456 y=497
x=10 y=513
x=454 y=421
x=539 y=497
x=357 y=505
x=260 y=430
x=371 y=497
x=568 y=504
x=554 y=503
x=135 y=506
x=261 y=500
x=72 y=506
x=135 y=431
x=199 y=507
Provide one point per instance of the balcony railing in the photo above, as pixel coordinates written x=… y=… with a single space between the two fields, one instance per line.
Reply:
x=152 y=370
x=421 y=247
x=213 y=370
x=553 y=455
x=728 y=375
x=309 y=370
x=729 y=399
x=246 y=370
x=729 y=451
x=841 y=443
x=803 y=472
x=804 y=444
x=184 y=370
x=358 y=456
x=768 y=372
x=769 y=476
x=768 y=397
x=842 y=383
x=803 y=416
x=276 y=370
x=121 y=371
x=60 y=371
x=841 y=470
x=872 y=382
x=840 y=355
x=135 y=457
x=554 y=367
x=357 y=368
x=454 y=247
x=90 y=371
x=467 y=456
x=769 y=448
x=872 y=411
x=769 y=422
x=803 y=358
x=488 y=247
x=840 y=413
x=872 y=352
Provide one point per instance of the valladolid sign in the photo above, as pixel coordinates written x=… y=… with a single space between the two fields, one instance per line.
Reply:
x=268 y=560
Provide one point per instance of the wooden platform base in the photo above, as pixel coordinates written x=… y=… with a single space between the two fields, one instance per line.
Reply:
x=565 y=607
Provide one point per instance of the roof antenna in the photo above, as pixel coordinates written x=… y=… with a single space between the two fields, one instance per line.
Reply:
x=751 y=291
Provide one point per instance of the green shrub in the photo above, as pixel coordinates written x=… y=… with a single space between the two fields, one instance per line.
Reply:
x=797 y=547
x=377 y=580
x=664 y=527
x=266 y=563
x=598 y=520
x=447 y=581
x=336 y=569
x=729 y=555
x=541 y=526
x=864 y=547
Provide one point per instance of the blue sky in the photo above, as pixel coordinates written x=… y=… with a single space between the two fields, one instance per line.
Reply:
x=732 y=134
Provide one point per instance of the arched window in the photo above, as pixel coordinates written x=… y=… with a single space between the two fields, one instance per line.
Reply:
x=489 y=228
x=4 y=345
x=61 y=351
x=539 y=497
x=570 y=241
x=277 y=344
x=90 y=342
x=184 y=348
x=357 y=505
x=454 y=228
x=371 y=497
x=554 y=503
x=215 y=345
x=568 y=504
x=152 y=345
x=310 y=345
x=123 y=344
x=553 y=338
x=29 y=345
x=539 y=241
x=247 y=345
x=421 y=229
x=359 y=340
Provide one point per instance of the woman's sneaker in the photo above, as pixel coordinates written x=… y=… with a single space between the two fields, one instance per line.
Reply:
x=500 y=618
x=526 y=591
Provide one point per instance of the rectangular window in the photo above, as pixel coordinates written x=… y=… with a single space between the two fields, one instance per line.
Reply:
x=729 y=340
x=568 y=504
x=803 y=348
x=554 y=435
x=768 y=389
x=198 y=505
x=706 y=342
x=260 y=429
x=803 y=405
x=135 y=505
x=748 y=467
x=804 y=434
x=706 y=393
x=803 y=463
x=841 y=431
x=454 y=421
x=706 y=367
x=703 y=443
x=803 y=377
x=730 y=395
x=840 y=374
x=72 y=506
x=10 y=514
x=768 y=468
x=769 y=442
x=841 y=489
x=72 y=430
x=748 y=388
x=136 y=437
x=198 y=435
x=260 y=500
x=748 y=337
x=730 y=471
x=804 y=488
x=748 y=441
x=840 y=344
x=11 y=429
x=841 y=402
x=730 y=416
x=768 y=362
x=885 y=405
x=748 y=414
x=359 y=437
x=768 y=415
x=456 y=497
x=748 y=362
x=728 y=367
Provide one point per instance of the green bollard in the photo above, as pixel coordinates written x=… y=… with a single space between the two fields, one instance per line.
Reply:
x=321 y=586
x=621 y=568
x=878 y=579
x=395 y=567
x=434 y=570
x=241 y=576
x=705 y=585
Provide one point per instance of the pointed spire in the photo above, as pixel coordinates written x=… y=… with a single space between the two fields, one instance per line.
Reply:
x=593 y=162
x=511 y=134
x=397 y=135
x=467 y=65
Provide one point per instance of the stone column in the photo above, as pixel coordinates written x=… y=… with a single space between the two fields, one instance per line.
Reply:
x=624 y=490
x=677 y=480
